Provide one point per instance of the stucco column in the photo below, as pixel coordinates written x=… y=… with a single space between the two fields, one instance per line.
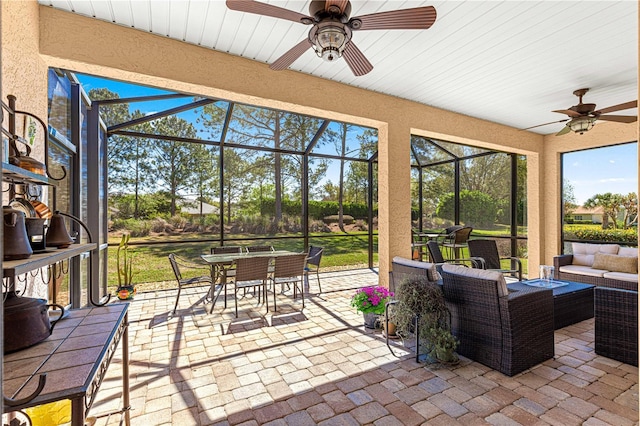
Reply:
x=24 y=72
x=394 y=195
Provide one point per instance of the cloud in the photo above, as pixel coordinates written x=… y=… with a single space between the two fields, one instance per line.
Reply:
x=616 y=180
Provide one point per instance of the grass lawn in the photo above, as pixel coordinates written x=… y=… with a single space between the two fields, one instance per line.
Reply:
x=152 y=266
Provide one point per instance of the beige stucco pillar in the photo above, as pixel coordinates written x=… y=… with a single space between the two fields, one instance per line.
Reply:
x=24 y=73
x=394 y=195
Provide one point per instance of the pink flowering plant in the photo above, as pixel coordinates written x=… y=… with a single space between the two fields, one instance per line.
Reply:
x=371 y=300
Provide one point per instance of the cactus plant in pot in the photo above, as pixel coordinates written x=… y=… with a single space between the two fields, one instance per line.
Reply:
x=124 y=262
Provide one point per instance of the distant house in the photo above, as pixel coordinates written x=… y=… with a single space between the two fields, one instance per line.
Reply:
x=192 y=208
x=582 y=213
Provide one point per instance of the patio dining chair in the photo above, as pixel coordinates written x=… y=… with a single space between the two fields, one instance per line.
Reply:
x=226 y=267
x=438 y=259
x=178 y=263
x=487 y=250
x=457 y=240
x=418 y=247
x=289 y=270
x=226 y=250
x=313 y=264
x=252 y=272
x=256 y=249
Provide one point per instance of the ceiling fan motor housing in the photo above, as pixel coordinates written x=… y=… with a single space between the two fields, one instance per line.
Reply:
x=319 y=11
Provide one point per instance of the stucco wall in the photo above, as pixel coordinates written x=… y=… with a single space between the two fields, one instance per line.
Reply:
x=24 y=72
x=91 y=46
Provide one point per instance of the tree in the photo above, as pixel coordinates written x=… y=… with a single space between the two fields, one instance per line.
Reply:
x=127 y=158
x=568 y=197
x=611 y=205
x=175 y=162
x=205 y=171
x=630 y=205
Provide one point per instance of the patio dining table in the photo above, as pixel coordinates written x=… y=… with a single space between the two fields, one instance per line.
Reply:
x=221 y=263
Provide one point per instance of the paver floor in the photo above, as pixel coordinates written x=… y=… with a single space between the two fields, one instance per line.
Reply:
x=321 y=366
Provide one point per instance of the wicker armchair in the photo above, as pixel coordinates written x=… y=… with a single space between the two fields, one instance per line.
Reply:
x=616 y=324
x=509 y=331
x=487 y=250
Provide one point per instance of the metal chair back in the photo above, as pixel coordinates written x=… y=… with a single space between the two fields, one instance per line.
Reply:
x=486 y=249
x=290 y=266
x=226 y=250
x=461 y=236
x=252 y=268
x=175 y=267
x=434 y=252
x=315 y=255
x=255 y=249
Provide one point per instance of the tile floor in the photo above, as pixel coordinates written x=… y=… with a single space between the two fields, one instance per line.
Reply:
x=322 y=367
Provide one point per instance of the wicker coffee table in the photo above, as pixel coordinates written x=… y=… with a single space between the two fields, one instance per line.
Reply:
x=572 y=303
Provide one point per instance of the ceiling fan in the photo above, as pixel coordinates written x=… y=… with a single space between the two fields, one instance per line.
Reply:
x=331 y=31
x=582 y=117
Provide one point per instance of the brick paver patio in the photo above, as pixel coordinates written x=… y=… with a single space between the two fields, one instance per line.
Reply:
x=322 y=367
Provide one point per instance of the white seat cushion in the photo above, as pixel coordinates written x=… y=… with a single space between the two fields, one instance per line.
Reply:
x=622 y=276
x=583 y=270
x=479 y=273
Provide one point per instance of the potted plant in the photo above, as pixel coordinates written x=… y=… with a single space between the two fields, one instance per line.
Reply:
x=371 y=302
x=442 y=345
x=124 y=263
x=420 y=302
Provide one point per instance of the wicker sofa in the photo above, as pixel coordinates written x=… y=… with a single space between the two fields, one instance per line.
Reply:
x=607 y=265
x=613 y=270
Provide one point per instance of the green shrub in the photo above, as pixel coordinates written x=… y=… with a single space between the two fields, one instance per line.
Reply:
x=334 y=218
x=477 y=208
x=137 y=228
x=595 y=233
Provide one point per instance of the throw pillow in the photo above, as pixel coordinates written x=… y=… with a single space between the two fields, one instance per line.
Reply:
x=614 y=263
x=479 y=273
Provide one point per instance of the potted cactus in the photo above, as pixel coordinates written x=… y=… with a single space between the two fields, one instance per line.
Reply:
x=124 y=262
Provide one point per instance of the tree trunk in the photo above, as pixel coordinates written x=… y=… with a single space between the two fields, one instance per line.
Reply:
x=341 y=184
x=278 y=171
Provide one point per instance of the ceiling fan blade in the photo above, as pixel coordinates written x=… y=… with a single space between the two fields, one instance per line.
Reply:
x=620 y=107
x=566 y=129
x=546 y=124
x=356 y=60
x=292 y=54
x=418 y=18
x=340 y=3
x=619 y=118
x=265 y=9
x=569 y=112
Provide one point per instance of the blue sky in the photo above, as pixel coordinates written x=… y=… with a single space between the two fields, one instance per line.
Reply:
x=596 y=171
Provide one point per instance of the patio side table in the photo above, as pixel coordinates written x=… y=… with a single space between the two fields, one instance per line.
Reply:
x=572 y=303
x=75 y=359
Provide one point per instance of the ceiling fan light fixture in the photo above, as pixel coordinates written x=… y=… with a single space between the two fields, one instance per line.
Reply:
x=329 y=40
x=582 y=124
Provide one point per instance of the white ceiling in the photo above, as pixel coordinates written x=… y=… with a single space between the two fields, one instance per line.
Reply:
x=511 y=62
